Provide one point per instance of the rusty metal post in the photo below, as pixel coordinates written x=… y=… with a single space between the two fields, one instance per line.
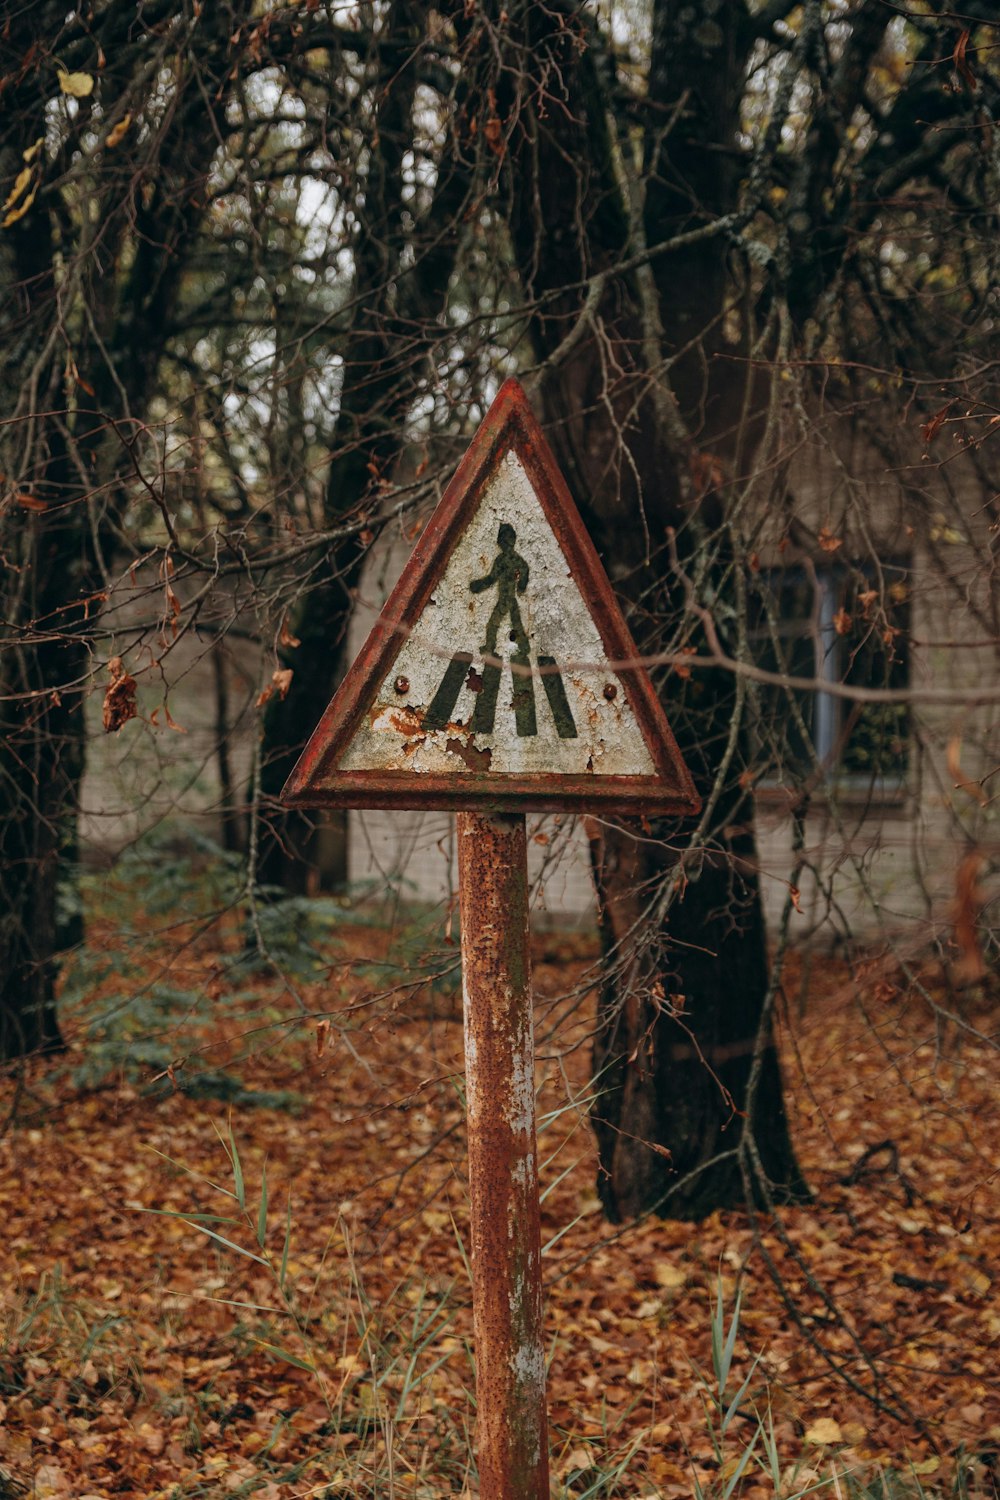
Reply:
x=503 y=1163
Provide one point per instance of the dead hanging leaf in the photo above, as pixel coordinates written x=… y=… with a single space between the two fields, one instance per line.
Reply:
x=174 y=606
x=953 y=760
x=322 y=1033
x=493 y=128
x=281 y=681
x=119 y=698
x=930 y=429
x=21 y=210
x=707 y=473
x=76 y=85
x=16 y=202
x=286 y=638
x=172 y=722
x=842 y=622
x=118 y=132
x=30 y=502
x=20 y=184
x=682 y=670
x=828 y=541
x=960 y=59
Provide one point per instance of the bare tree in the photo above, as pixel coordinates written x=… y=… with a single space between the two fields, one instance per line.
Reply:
x=265 y=267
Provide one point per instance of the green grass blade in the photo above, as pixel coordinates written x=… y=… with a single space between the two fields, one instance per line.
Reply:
x=238 y=1183
x=262 y=1209
x=276 y=1351
x=288 y=1241
x=229 y=1244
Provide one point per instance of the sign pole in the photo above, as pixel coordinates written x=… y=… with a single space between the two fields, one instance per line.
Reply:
x=503 y=1159
x=504 y=579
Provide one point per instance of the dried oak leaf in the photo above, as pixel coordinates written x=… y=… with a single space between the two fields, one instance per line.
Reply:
x=119 y=698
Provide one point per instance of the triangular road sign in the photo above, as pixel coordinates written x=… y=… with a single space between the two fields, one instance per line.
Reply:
x=500 y=673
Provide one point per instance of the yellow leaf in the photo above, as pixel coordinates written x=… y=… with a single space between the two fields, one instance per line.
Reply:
x=20 y=183
x=824 y=1430
x=33 y=149
x=21 y=210
x=577 y=1461
x=119 y=130
x=77 y=85
x=927 y=1465
x=668 y=1275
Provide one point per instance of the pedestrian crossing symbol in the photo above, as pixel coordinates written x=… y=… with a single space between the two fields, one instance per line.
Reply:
x=500 y=672
x=509 y=574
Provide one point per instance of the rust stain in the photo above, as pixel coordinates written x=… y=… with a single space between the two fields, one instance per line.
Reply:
x=476 y=760
x=406 y=721
x=503 y=1167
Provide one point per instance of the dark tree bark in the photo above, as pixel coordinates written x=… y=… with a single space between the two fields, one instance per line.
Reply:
x=66 y=462
x=383 y=370
x=682 y=1008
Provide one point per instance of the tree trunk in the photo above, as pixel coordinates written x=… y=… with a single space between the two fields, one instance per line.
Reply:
x=381 y=378
x=42 y=763
x=64 y=456
x=681 y=1011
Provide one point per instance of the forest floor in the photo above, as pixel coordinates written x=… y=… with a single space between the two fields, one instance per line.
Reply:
x=329 y=1353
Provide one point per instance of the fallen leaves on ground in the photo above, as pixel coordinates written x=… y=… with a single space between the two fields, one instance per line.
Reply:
x=139 y=1356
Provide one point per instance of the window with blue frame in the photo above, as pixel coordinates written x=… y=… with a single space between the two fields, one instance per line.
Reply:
x=836 y=623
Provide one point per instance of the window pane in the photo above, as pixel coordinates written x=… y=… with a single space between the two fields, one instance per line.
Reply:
x=838 y=623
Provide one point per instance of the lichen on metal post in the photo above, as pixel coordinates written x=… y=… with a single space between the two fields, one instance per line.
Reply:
x=503 y=1162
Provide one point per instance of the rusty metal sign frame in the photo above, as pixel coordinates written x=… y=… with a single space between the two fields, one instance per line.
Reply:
x=316 y=780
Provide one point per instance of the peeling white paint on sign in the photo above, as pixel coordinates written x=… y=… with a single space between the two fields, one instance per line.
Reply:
x=489 y=678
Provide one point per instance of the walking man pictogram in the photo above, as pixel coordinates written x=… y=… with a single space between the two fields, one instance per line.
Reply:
x=510 y=573
x=509 y=576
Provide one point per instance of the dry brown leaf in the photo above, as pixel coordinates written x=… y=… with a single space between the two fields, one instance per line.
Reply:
x=286 y=638
x=119 y=697
x=824 y=1431
x=21 y=182
x=118 y=132
x=931 y=428
x=953 y=760
x=76 y=85
x=22 y=208
x=961 y=61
